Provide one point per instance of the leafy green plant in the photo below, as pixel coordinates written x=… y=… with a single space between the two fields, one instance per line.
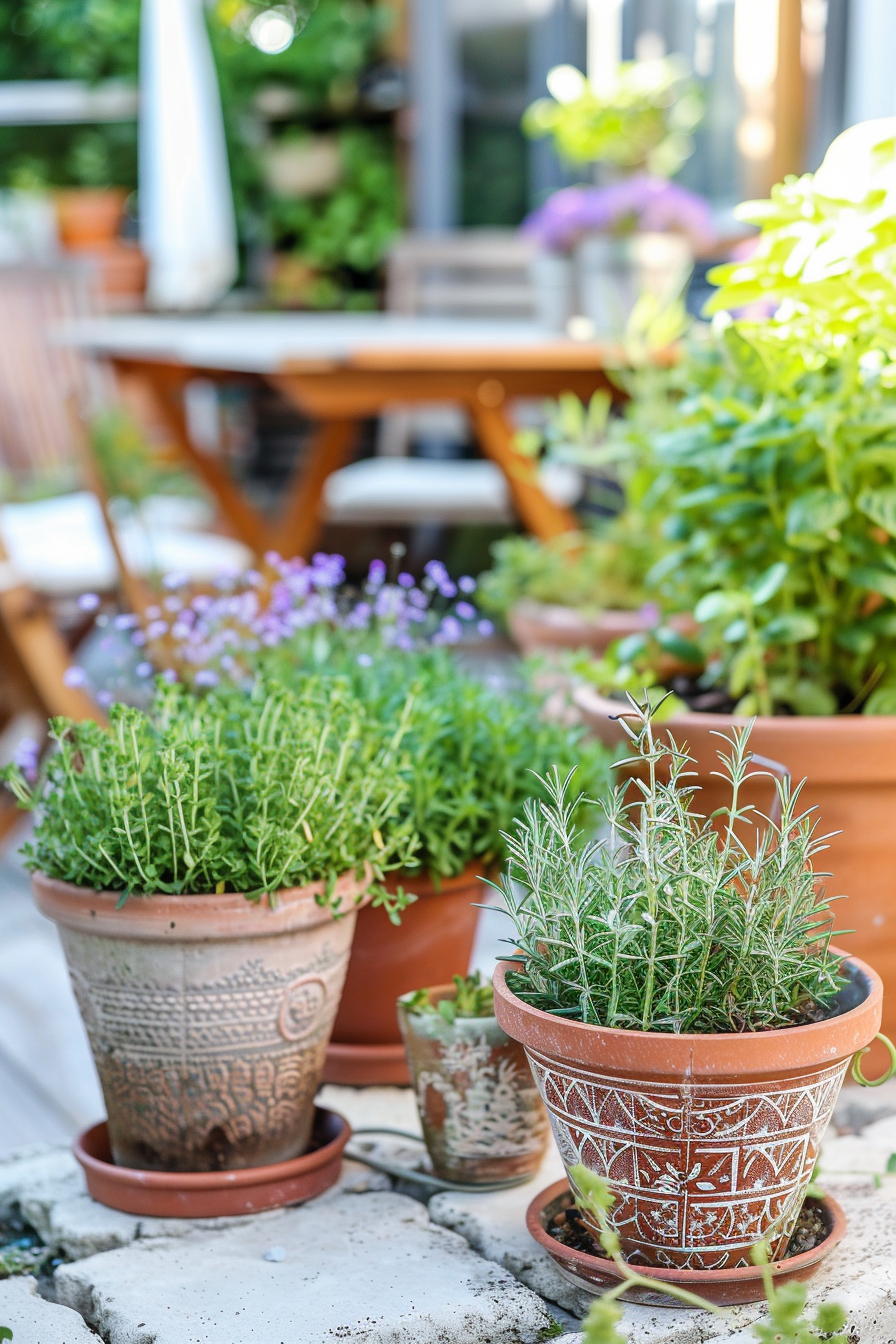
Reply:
x=664 y=924
x=644 y=121
x=786 y=1323
x=472 y=998
x=589 y=573
x=779 y=490
x=225 y=792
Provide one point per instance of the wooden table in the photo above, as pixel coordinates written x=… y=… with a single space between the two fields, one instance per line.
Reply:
x=337 y=369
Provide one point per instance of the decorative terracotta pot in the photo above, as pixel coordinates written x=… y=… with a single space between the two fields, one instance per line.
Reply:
x=208 y=1016
x=849 y=763
x=433 y=942
x=479 y=1107
x=708 y=1142
x=89 y=218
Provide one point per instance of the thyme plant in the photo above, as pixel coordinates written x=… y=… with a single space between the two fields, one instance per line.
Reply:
x=226 y=792
x=665 y=923
x=472 y=998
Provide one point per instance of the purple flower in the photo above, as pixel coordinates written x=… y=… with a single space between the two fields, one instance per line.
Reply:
x=485 y=629
x=436 y=571
x=153 y=613
x=365 y=660
x=466 y=584
x=448 y=589
x=88 y=602
x=377 y=571
x=176 y=579
x=635 y=204
x=138 y=639
x=156 y=629
x=406 y=580
x=451 y=629
x=206 y=677
x=105 y=698
x=465 y=611
x=143 y=669
x=169 y=675
x=126 y=622
x=172 y=604
x=74 y=676
x=273 y=558
x=27 y=755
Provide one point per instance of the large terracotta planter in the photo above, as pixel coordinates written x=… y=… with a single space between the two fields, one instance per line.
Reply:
x=208 y=1016
x=433 y=942
x=482 y=1117
x=849 y=763
x=708 y=1142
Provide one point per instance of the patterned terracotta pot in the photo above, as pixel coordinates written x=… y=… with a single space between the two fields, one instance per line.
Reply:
x=208 y=1016
x=708 y=1142
x=482 y=1117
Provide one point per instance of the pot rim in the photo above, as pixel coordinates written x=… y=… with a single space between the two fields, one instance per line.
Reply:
x=199 y=917
x=447 y=991
x=420 y=881
x=668 y=1057
x=593 y=702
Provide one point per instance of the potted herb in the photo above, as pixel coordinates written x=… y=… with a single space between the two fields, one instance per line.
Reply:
x=482 y=1117
x=779 y=490
x=602 y=247
x=470 y=749
x=204 y=861
x=687 y=1021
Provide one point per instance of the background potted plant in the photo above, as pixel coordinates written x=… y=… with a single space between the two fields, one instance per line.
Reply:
x=687 y=1021
x=778 y=486
x=482 y=1117
x=204 y=861
x=602 y=247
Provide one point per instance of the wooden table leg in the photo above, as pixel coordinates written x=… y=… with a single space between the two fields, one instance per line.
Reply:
x=539 y=514
x=300 y=520
x=164 y=385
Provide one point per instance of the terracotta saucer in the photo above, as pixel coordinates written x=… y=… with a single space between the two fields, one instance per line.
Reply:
x=366 y=1065
x=214 y=1194
x=723 y=1286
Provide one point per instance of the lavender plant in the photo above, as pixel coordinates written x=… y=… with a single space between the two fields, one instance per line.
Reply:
x=225 y=792
x=665 y=923
x=470 y=745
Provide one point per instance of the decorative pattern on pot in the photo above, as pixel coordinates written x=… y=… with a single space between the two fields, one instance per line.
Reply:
x=209 y=1030
x=701 y=1171
x=479 y=1107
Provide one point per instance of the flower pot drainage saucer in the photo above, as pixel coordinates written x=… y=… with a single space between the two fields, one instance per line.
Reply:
x=366 y=1065
x=214 y=1194
x=726 y=1287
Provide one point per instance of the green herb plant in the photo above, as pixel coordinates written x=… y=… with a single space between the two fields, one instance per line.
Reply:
x=786 y=1323
x=667 y=924
x=472 y=998
x=224 y=792
x=644 y=122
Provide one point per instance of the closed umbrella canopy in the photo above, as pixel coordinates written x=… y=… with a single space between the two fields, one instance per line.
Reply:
x=187 y=225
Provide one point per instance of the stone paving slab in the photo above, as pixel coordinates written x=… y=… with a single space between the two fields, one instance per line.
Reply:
x=370 y=1268
x=34 y=1321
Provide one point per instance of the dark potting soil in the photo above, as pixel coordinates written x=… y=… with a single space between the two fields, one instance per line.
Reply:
x=570 y=1229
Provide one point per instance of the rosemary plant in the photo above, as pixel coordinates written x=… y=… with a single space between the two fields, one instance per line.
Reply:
x=666 y=923
x=225 y=792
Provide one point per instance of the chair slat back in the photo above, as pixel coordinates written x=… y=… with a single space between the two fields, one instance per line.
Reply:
x=468 y=273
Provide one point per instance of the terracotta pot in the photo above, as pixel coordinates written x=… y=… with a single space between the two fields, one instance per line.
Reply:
x=537 y=626
x=433 y=942
x=849 y=763
x=727 y=1287
x=482 y=1117
x=208 y=1017
x=708 y=1142
x=89 y=218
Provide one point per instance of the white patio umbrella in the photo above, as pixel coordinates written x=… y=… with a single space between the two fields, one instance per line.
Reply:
x=187 y=226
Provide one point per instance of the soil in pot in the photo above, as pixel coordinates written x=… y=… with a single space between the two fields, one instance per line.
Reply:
x=481 y=1114
x=707 y=1141
x=433 y=942
x=849 y=764
x=208 y=1017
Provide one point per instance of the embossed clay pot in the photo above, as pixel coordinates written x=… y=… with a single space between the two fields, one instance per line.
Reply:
x=708 y=1142
x=208 y=1016
x=433 y=942
x=849 y=764
x=482 y=1117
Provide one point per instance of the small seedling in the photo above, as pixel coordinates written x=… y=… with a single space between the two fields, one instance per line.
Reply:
x=472 y=998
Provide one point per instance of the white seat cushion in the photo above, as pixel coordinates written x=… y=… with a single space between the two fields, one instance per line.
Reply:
x=60 y=547
x=407 y=489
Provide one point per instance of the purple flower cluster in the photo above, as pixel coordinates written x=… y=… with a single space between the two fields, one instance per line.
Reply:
x=640 y=204
x=206 y=636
